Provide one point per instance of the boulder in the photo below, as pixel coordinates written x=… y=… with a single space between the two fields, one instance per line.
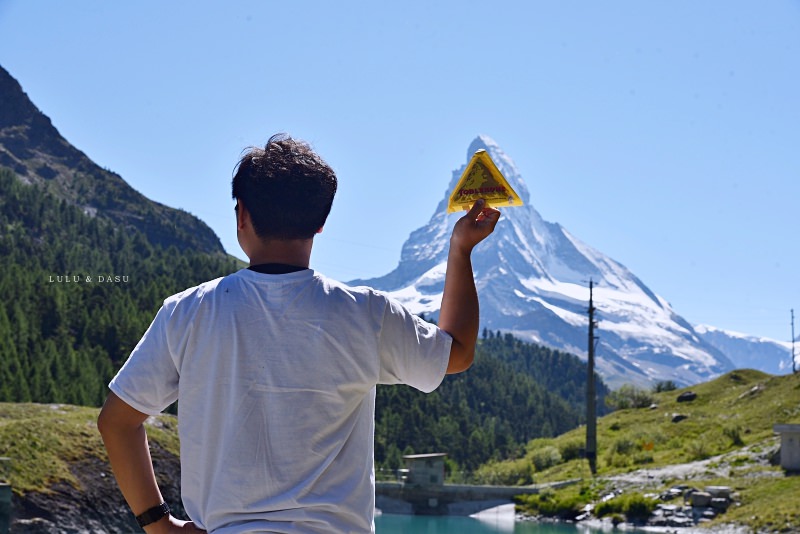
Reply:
x=668 y=509
x=670 y=494
x=680 y=521
x=723 y=492
x=687 y=396
x=658 y=521
x=701 y=499
x=718 y=503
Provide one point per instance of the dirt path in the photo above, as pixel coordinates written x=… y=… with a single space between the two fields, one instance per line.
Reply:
x=714 y=467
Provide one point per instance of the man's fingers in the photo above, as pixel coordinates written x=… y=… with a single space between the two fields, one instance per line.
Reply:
x=473 y=227
x=476 y=209
x=489 y=213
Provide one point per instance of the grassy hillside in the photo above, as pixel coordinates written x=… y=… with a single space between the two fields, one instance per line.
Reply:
x=730 y=412
x=45 y=440
x=726 y=436
x=59 y=471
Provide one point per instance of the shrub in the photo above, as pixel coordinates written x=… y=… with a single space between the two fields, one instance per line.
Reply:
x=562 y=507
x=617 y=454
x=698 y=450
x=616 y=460
x=551 y=504
x=611 y=506
x=571 y=450
x=590 y=492
x=733 y=433
x=634 y=506
x=664 y=385
x=508 y=473
x=638 y=507
x=546 y=457
x=623 y=445
x=628 y=396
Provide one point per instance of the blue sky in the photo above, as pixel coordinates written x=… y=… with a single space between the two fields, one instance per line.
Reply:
x=664 y=134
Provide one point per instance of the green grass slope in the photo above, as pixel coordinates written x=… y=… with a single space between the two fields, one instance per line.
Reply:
x=725 y=435
x=59 y=471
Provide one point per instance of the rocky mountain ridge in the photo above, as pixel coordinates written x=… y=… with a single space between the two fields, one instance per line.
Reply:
x=751 y=352
x=37 y=153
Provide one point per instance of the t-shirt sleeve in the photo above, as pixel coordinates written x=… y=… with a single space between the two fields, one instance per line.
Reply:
x=148 y=381
x=412 y=351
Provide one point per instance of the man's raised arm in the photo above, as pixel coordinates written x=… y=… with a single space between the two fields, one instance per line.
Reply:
x=459 y=312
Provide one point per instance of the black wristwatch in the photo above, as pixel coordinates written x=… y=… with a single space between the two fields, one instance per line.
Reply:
x=153 y=514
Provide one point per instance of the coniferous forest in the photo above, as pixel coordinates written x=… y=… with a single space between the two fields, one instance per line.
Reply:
x=79 y=291
x=64 y=327
x=514 y=392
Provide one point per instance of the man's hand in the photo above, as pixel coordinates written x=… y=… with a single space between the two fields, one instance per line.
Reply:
x=458 y=315
x=474 y=227
x=171 y=525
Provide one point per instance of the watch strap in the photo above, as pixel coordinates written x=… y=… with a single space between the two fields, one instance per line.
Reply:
x=153 y=514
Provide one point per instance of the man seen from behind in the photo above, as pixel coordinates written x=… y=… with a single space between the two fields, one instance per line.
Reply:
x=275 y=368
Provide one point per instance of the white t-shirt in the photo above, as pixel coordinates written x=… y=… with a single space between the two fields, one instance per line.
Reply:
x=275 y=377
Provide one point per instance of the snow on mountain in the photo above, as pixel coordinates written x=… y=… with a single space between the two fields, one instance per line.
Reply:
x=532 y=277
x=751 y=352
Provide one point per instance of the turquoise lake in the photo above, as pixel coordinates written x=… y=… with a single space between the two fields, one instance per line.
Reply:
x=486 y=524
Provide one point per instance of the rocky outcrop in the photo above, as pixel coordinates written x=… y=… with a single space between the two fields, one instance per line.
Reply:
x=95 y=504
x=698 y=507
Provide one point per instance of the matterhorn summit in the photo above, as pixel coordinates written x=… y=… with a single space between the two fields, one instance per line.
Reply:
x=532 y=278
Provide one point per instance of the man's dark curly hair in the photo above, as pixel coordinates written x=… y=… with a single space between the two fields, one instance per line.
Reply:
x=286 y=187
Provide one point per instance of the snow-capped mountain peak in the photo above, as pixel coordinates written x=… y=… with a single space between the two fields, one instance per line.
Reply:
x=532 y=277
x=749 y=351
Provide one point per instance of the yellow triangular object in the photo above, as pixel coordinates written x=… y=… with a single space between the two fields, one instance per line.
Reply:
x=482 y=179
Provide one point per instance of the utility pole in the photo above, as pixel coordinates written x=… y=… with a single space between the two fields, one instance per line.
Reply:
x=794 y=365
x=591 y=394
